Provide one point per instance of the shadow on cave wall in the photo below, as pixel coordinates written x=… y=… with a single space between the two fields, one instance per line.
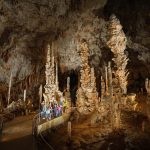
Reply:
x=133 y=14
x=137 y=73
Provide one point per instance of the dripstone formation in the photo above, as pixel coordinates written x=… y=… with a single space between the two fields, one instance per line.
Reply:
x=87 y=96
x=117 y=44
x=51 y=87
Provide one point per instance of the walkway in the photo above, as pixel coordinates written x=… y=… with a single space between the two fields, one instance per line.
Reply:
x=17 y=134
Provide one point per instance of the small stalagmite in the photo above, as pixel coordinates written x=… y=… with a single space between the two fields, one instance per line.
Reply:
x=147 y=85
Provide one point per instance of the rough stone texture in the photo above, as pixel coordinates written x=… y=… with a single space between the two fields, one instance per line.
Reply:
x=117 y=43
x=87 y=96
x=51 y=87
x=27 y=26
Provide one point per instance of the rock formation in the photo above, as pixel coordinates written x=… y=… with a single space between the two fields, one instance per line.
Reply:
x=117 y=44
x=87 y=97
x=147 y=85
x=67 y=92
x=51 y=87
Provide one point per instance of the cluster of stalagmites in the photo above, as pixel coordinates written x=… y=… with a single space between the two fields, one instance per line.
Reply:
x=117 y=44
x=87 y=95
x=51 y=72
x=111 y=88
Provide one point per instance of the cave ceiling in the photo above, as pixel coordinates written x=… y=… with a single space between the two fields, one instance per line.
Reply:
x=27 y=26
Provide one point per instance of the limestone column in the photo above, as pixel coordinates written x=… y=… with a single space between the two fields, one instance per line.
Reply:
x=68 y=84
x=106 y=80
x=147 y=85
x=9 y=88
x=24 y=95
x=110 y=79
x=117 y=44
x=57 y=83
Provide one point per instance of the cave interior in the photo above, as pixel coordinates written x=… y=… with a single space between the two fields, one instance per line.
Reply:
x=91 y=55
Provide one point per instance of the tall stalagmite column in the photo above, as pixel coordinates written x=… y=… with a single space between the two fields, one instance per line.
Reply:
x=87 y=96
x=51 y=85
x=117 y=44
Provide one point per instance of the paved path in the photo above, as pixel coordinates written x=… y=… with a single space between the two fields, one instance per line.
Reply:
x=17 y=134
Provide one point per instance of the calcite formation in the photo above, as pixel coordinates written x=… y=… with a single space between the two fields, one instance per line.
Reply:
x=117 y=44
x=147 y=85
x=87 y=96
x=51 y=87
x=103 y=93
x=67 y=92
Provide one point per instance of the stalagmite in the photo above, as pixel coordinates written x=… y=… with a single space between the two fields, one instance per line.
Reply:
x=102 y=88
x=117 y=44
x=24 y=95
x=68 y=84
x=87 y=96
x=110 y=80
x=106 y=80
x=40 y=93
x=147 y=85
x=57 y=83
x=67 y=92
x=9 y=90
x=51 y=87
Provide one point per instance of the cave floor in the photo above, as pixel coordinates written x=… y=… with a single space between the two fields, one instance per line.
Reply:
x=101 y=137
x=17 y=134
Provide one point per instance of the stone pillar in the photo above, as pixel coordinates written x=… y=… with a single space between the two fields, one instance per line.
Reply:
x=68 y=84
x=102 y=88
x=9 y=88
x=57 y=83
x=87 y=96
x=106 y=80
x=24 y=95
x=117 y=44
x=110 y=79
x=147 y=85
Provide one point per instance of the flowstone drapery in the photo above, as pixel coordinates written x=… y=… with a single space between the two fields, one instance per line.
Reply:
x=87 y=96
x=117 y=44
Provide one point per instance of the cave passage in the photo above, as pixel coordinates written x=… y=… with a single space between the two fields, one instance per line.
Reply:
x=73 y=86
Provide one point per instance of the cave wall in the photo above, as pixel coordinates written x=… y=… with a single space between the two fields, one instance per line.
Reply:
x=27 y=26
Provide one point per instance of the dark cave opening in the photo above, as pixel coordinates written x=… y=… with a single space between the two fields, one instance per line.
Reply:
x=73 y=85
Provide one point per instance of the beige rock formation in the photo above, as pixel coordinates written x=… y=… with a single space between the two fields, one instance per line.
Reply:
x=102 y=88
x=117 y=44
x=51 y=87
x=147 y=85
x=87 y=96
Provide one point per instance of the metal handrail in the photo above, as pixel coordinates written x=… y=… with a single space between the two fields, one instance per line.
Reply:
x=35 y=123
x=51 y=148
